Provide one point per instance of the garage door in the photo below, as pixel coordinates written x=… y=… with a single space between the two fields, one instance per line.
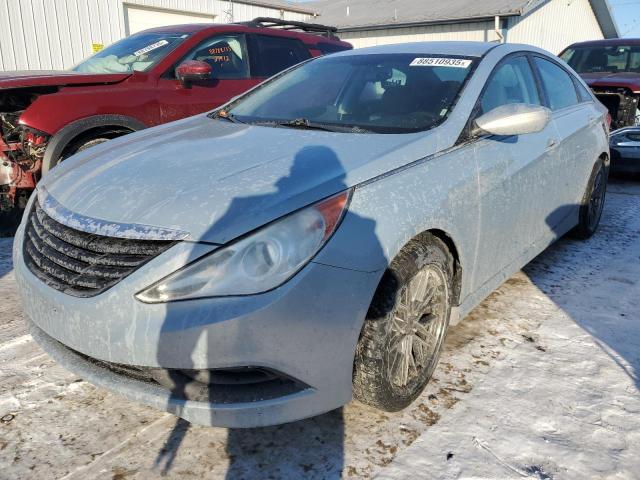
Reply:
x=137 y=18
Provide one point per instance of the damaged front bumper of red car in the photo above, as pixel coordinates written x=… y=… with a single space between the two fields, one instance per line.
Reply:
x=21 y=153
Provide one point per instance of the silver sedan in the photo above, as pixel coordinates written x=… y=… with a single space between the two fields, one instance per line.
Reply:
x=313 y=239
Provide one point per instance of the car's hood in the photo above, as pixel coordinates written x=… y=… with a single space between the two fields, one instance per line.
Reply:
x=43 y=78
x=620 y=79
x=217 y=180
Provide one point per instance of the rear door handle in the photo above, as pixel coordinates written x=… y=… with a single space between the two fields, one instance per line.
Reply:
x=551 y=143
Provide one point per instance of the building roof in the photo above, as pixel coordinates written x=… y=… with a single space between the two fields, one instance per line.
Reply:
x=370 y=14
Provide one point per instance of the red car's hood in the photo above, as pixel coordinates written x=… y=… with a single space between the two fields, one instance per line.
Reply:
x=620 y=79
x=39 y=78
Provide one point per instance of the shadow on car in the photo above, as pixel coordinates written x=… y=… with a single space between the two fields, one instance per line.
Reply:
x=251 y=449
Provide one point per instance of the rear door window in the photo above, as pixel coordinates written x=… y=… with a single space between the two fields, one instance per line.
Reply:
x=511 y=82
x=557 y=83
x=583 y=94
x=274 y=54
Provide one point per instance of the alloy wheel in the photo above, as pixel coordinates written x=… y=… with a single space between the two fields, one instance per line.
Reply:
x=418 y=326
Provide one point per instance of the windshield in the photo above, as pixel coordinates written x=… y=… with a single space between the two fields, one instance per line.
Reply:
x=620 y=58
x=138 y=52
x=384 y=93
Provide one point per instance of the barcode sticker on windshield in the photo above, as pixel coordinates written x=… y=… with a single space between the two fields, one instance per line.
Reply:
x=440 y=62
x=148 y=48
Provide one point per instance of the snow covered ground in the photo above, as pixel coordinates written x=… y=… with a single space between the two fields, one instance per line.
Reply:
x=540 y=381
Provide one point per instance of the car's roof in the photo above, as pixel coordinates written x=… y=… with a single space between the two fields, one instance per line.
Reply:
x=608 y=42
x=225 y=27
x=469 y=49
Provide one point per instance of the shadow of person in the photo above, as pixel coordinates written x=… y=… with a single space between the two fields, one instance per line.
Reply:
x=167 y=454
x=312 y=447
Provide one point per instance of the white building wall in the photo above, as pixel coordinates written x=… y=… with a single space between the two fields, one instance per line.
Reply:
x=556 y=25
x=553 y=26
x=57 y=34
x=476 y=31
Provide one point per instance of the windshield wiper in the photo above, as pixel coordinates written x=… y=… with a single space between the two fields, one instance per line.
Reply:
x=307 y=124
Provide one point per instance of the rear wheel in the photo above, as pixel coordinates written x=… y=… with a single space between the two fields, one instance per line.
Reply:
x=592 y=202
x=406 y=326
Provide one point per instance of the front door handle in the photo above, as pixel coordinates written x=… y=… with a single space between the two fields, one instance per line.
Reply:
x=551 y=143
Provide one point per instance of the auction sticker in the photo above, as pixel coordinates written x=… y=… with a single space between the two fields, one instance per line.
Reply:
x=440 y=62
x=148 y=48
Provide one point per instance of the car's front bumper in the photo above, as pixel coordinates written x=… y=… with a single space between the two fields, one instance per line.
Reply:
x=306 y=329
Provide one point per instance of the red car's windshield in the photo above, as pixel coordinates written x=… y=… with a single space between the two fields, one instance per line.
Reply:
x=609 y=59
x=139 y=52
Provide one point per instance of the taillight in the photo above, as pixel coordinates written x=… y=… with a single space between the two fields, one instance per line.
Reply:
x=607 y=123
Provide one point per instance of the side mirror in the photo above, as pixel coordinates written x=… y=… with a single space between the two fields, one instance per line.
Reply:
x=513 y=119
x=193 y=71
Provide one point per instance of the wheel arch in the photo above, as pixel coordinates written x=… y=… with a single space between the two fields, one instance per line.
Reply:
x=65 y=137
x=448 y=240
x=451 y=245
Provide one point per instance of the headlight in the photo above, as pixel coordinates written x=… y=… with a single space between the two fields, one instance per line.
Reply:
x=258 y=262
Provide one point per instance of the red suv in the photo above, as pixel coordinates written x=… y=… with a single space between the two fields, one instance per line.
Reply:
x=149 y=78
x=612 y=69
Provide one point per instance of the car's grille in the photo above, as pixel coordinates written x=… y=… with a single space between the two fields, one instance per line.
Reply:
x=79 y=263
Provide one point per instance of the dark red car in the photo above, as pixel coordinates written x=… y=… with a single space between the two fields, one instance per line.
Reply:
x=149 y=78
x=612 y=69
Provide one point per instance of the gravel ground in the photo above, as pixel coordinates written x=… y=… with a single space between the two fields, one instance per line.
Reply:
x=539 y=381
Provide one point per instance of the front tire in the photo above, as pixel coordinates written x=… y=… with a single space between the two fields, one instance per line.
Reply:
x=75 y=147
x=592 y=202
x=406 y=325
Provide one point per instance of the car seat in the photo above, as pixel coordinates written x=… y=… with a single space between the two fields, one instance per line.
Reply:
x=597 y=61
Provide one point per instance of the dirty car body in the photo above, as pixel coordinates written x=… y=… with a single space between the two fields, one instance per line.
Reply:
x=46 y=116
x=157 y=285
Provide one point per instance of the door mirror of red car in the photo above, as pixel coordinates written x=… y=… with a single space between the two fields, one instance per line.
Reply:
x=193 y=71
